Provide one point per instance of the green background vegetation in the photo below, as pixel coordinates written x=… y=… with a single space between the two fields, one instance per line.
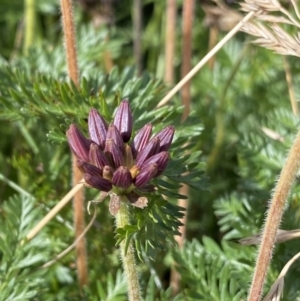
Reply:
x=243 y=94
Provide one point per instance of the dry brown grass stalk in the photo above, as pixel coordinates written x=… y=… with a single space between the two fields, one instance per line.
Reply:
x=73 y=245
x=78 y=202
x=281 y=236
x=276 y=291
x=170 y=41
x=274 y=38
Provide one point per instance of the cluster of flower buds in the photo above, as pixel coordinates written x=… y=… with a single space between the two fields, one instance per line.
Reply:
x=109 y=161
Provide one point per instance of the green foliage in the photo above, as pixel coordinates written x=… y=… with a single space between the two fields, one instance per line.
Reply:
x=21 y=278
x=234 y=107
x=115 y=291
x=211 y=272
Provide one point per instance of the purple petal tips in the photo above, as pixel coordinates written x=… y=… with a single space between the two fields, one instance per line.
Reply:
x=97 y=157
x=146 y=175
x=114 y=134
x=122 y=177
x=161 y=159
x=89 y=168
x=141 y=139
x=97 y=128
x=123 y=120
x=149 y=150
x=166 y=137
x=113 y=153
x=79 y=145
x=97 y=182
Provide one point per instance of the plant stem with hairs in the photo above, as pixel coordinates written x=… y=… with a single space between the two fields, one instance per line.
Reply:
x=70 y=44
x=170 y=41
x=127 y=257
x=272 y=223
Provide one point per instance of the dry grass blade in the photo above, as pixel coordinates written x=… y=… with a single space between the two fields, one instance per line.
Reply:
x=264 y=5
x=276 y=291
x=281 y=236
x=272 y=134
x=267 y=6
x=205 y=59
x=73 y=245
x=277 y=40
x=274 y=19
x=296 y=8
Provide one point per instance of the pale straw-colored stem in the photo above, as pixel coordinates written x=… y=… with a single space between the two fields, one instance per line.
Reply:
x=73 y=245
x=64 y=201
x=272 y=223
x=128 y=259
x=196 y=69
x=276 y=290
x=289 y=81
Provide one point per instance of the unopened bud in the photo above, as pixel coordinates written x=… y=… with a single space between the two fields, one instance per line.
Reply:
x=113 y=153
x=141 y=139
x=122 y=177
x=161 y=159
x=97 y=157
x=79 y=145
x=97 y=128
x=114 y=134
x=148 y=151
x=146 y=175
x=97 y=182
x=166 y=137
x=89 y=168
x=123 y=120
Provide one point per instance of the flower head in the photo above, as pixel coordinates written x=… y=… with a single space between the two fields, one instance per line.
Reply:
x=112 y=163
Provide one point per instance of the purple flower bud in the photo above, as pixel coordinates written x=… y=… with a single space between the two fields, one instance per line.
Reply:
x=122 y=177
x=123 y=120
x=96 y=156
x=128 y=158
x=149 y=150
x=141 y=139
x=97 y=128
x=89 y=168
x=97 y=182
x=166 y=137
x=113 y=154
x=114 y=134
x=79 y=145
x=146 y=175
x=161 y=159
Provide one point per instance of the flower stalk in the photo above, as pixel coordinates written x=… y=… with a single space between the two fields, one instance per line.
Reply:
x=275 y=212
x=127 y=257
